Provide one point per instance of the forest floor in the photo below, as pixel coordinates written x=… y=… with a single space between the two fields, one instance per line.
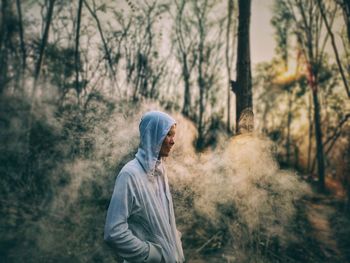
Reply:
x=320 y=211
x=330 y=222
x=324 y=229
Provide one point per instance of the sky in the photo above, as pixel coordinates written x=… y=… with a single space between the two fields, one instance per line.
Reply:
x=262 y=43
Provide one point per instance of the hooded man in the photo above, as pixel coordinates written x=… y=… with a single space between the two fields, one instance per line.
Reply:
x=140 y=221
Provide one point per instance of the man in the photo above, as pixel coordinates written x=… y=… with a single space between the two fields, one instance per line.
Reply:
x=140 y=222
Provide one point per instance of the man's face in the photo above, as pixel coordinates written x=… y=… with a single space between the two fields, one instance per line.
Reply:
x=168 y=142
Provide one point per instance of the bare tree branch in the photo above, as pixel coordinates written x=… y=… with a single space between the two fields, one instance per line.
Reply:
x=108 y=54
x=335 y=49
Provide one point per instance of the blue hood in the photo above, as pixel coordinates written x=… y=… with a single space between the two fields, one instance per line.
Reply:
x=154 y=126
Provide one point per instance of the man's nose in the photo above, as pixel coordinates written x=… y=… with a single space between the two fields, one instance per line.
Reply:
x=172 y=141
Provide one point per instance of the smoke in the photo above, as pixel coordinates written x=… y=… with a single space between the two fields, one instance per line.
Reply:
x=111 y=139
x=76 y=216
x=237 y=187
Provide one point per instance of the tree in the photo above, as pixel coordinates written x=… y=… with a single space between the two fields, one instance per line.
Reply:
x=42 y=47
x=137 y=45
x=334 y=46
x=108 y=55
x=3 y=38
x=228 y=58
x=345 y=6
x=208 y=58
x=21 y=34
x=307 y=27
x=281 y=21
x=30 y=132
x=242 y=87
x=76 y=53
x=11 y=63
x=184 y=41
x=201 y=13
x=287 y=80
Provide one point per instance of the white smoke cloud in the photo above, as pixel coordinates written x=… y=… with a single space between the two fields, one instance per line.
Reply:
x=238 y=186
x=240 y=178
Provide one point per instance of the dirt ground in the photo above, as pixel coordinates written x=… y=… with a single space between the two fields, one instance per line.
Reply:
x=324 y=229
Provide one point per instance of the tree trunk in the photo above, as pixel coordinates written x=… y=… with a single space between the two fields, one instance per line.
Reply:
x=228 y=63
x=3 y=53
x=319 y=143
x=76 y=53
x=42 y=46
x=184 y=52
x=345 y=6
x=311 y=127
x=347 y=176
x=200 y=80
x=21 y=35
x=3 y=22
x=201 y=85
x=289 y=121
x=29 y=133
x=186 y=109
x=243 y=86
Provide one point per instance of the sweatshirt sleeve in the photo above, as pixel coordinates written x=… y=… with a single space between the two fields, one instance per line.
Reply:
x=117 y=232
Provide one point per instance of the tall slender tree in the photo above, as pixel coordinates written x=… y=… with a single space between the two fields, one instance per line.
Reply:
x=201 y=13
x=37 y=69
x=76 y=52
x=10 y=64
x=281 y=21
x=308 y=27
x=43 y=45
x=21 y=35
x=228 y=58
x=3 y=57
x=185 y=44
x=242 y=87
x=108 y=54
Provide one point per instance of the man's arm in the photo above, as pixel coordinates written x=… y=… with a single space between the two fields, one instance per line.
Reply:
x=117 y=232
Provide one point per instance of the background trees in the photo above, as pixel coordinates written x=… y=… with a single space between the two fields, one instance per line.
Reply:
x=199 y=42
x=309 y=64
x=75 y=76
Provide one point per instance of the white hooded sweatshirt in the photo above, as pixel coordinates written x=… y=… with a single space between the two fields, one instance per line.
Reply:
x=140 y=221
